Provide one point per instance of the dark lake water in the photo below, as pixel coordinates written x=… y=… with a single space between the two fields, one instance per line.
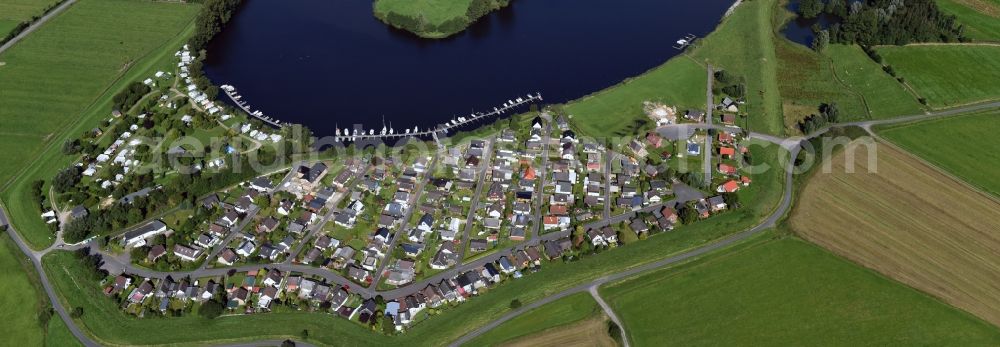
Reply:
x=325 y=63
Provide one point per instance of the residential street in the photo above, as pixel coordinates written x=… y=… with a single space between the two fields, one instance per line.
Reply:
x=401 y=233
x=483 y=166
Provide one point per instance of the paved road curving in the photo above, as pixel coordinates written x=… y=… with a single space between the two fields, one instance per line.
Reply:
x=790 y=144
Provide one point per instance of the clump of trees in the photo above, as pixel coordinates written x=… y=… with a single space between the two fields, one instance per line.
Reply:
x=213 y=16
x=885 y=22
x=828 y=113
x=127 y=98
x=732 y=84
x=92 y=262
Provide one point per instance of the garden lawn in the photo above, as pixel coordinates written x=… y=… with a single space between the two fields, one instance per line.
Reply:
x=21 y=301
x=965 y=146
x=784 y=292
x=948 y=75
x=886 y=97
x=59 y=82
x=617 y=111
x=981 y=18
x=570 y=309
x=744 y=44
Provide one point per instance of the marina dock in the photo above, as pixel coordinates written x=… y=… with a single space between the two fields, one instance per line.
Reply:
x=358 y=133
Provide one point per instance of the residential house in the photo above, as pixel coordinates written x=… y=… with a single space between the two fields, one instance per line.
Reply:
x=137 y=237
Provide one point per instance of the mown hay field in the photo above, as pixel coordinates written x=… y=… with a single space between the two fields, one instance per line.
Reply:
x=948 y=75
x=909 y=222
x=592 y=332
x=981 y=18
x=778 y=290
x=964 y=146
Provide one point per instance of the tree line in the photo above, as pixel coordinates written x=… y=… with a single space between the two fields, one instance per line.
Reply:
x=882 y=22
x=213 y=16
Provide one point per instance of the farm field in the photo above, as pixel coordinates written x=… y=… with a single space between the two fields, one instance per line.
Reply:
x=103 y=60
x=617 y=111
x=774 y=291
x=744 y=44
x=886 y=97
x=948 y=75
x=588 y=333
x=113 y=327
x=981 y=18
x=566 y=311
x=909 y=222
x=951 y=144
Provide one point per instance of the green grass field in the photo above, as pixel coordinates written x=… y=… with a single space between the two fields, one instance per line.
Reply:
x=886 y=97
x=948 y=75
x=981 y=18
x=964 y=146
x=614 y=112
x=13 y=12
x=806 y=80
x=85 y=56
x=20 y=304
x=744 y=44
x=570 y=309
x=433 y=11
x=59 y=335
x=113 y=327
x=772 y=292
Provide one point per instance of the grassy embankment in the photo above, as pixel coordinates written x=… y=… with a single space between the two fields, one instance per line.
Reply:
x=910 y=222
x=963 y=146
x=22 y=303
x=59 y=82
x=743 y=44
x=560 y=313
x=431 y=18
x=111 y=326
x=617 y=111
x=783 y=291
x=981 y=18
x=13 y=12
x=948 y=75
